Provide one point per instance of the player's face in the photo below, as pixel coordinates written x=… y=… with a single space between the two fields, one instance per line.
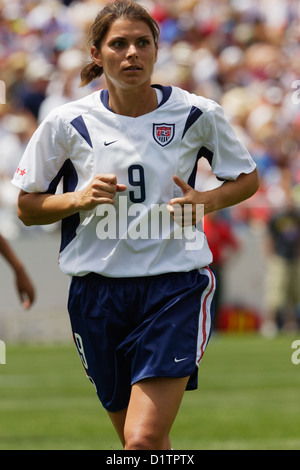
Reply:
x=127 y=54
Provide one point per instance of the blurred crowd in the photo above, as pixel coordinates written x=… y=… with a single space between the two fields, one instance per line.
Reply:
x=244 y=54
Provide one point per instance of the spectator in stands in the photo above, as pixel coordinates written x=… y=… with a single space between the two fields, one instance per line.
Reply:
x=283 y=270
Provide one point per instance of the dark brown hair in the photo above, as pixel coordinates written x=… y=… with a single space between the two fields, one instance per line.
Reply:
x=110 y=13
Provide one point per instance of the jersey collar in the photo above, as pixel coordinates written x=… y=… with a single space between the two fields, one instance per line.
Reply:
x=166 y=91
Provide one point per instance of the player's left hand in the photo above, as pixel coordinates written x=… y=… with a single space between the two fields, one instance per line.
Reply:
x=186 y=210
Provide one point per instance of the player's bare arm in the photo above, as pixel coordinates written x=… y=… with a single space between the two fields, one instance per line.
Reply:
x=229 y=194
x=44 y=209
x=23 y=282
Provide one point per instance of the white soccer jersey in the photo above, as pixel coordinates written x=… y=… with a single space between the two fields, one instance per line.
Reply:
x=137 y=236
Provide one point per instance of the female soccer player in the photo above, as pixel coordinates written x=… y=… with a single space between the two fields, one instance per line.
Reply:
x=141 y=297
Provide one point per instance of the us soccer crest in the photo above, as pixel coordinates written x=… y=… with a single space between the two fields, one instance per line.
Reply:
x=163 y=133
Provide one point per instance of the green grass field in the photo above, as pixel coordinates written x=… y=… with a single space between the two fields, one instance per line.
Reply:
x=248 y=398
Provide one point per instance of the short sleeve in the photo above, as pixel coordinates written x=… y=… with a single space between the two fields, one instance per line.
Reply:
x=44 y=156
x=228 y=156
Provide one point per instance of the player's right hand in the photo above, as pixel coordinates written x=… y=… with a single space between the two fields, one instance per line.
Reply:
x=101 y=190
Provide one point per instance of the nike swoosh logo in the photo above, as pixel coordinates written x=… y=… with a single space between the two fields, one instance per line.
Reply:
x=109 y=143
x=180 y=360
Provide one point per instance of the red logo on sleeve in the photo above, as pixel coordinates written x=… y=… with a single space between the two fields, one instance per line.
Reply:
x=21 y=172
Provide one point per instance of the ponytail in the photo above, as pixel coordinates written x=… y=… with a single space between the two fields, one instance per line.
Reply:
x=89 y=73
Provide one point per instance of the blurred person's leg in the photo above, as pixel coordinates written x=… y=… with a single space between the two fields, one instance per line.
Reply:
x=289 y=320
x=275 y=294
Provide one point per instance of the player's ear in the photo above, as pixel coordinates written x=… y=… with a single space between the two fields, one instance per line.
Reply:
x=96 y=56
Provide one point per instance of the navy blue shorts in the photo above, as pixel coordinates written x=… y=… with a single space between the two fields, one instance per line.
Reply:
x=130 y=329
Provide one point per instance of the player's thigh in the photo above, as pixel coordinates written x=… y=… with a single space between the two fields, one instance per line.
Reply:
x=118 y=420
x=153 y=406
